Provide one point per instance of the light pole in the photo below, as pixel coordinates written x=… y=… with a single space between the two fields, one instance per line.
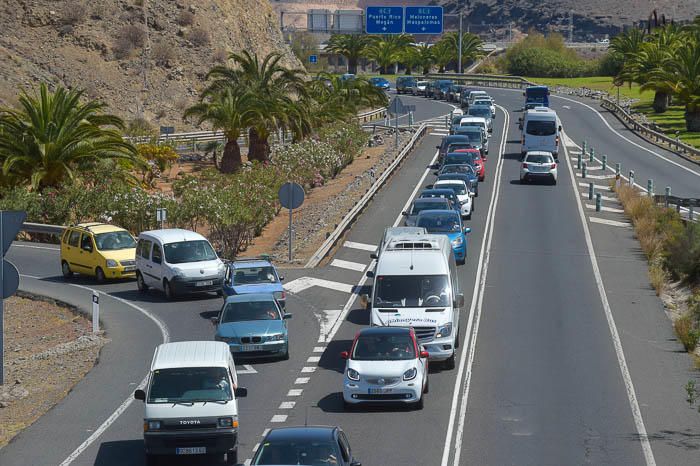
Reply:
x=459 y=52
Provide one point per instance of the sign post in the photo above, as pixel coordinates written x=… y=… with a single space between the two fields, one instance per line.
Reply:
x=161 y=216
x=95 y=312
x=384 y=20
x=313 y=59
x=10 y=223
x=291 y=196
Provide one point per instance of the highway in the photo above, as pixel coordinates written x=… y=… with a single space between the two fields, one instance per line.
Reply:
x=539 y=378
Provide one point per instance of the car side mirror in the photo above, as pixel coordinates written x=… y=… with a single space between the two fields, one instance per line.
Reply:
x=404 y=213
x=140 y=395
x=374 y=255
x=288 y=315
x=424 y=354
x=219 y=252
x=87 y=248
x=344 y=354
x=215 y=320
x=370 y=274
x=437 y=147
x=559 y=127
x=430 y=186
x=467 y=230
x=281 y=277
x=459 y=300
x=241 y=392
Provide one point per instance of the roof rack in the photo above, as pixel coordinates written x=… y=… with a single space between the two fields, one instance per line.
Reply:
x=261 y=257
x=90 y=225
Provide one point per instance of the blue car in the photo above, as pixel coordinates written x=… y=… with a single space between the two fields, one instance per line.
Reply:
x=381 y=83
x=447 y=222
x=253 y=275
x=460 y=172
x=445 y=193
x=253 y=325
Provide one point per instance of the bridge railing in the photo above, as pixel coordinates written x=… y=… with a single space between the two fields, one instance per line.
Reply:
x=484 y=80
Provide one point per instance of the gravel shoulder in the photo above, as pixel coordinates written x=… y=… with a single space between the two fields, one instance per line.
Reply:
x=49 y=347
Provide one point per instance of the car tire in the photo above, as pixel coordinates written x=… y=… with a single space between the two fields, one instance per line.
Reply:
x=418 y=405
x=232 y=457
x=523 y=180
x=457 y=342
x=426 y=389
x=285 y=356
x=449 y=362
x=219 y=293
x=65 y=270
x=468 y=217
x=462 y=261
x=140 y=283
x=168 y=290
x=100 y=275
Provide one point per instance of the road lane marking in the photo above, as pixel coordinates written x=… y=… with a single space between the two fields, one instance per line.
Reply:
x=600 y=177
x=596 y=186
x=295 y=392
x=308 y=369
x=35 y=247
x=617 y=343
x=277 y=418
x=605 y=209
x=348 y=265
x=474 y=312
x=301 y=380
x=303 y=283
x=319 y=349
x=247 y=369
x=613 y=223
x=604 y=198
x=362 y=246
x=313 y=359
x=287 y=405
x=326 y=321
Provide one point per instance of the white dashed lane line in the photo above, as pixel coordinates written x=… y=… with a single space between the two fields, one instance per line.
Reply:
x=362 y=246
x=279 y=418
x=606 y=209
x=301 y=380
x=613 y=223
x=348 y=265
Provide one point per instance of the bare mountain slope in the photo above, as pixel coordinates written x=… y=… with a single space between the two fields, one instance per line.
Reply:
x=103 y=47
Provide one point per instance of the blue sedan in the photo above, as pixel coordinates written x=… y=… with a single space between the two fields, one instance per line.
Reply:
x=444 y=193
x=447 y=222
x=460 y=172
x=253 y=275
x=381 y=83
x=253 y=325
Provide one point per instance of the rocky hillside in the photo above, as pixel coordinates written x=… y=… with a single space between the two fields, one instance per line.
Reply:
x=142 y=57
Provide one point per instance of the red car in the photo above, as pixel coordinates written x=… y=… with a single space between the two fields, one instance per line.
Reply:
x=479 y=162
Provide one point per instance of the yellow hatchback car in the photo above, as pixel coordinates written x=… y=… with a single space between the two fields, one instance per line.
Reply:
x=98 y=249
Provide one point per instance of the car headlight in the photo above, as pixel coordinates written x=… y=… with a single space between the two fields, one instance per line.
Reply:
x=151 y=425
x=225 y=339
x=457 y=242
x=227 y=422
x=444 y=331
x=279 y=295
x=178 y=273
x=410 y=374
x=111 y=263
x=353 y=374
x=276 y=337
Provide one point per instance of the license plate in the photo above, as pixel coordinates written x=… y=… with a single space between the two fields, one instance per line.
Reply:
x=379 y=391
x=191 y=451
x=130 y=268
x=204 y=283
x=251 y=348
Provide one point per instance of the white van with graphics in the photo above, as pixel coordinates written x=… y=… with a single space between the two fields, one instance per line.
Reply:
x=177 y=262
x=416 y=285
x=191 y=405
x=541 y=131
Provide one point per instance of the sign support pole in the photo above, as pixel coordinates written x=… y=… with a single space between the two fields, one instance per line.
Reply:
x=459 y=56
x=289 y=192
x=2 y=309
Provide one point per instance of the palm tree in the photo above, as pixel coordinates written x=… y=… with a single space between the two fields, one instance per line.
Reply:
x=52 y=134
x=442 y=55
x=681 y=73
x=387 y=50
x=629 y=42
x=230 y=110
x=275 y=86
x=351 y=46
x=330 y=98
x=411 y=58
x=471 y=46
x=426 y=57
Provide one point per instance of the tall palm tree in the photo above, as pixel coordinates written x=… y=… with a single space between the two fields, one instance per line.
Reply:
x=410 y=58
x=442 y=55
x=351 y=46
x=50 y=135
x=681 y=73
x=230 y=110
x=472 y=46
x=276 y=87
x=387 y=50
x=332 y=98
x=628 y=42
x=426 y=57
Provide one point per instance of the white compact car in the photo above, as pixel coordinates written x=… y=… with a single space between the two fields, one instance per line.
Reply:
x=464 y=195
x=538 y=165
x=487 y=102
x=385 y=364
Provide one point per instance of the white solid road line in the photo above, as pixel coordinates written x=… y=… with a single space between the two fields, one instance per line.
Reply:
x=617 y=343
x=301 y=284
x=613 y=223
x=474 y=314
x=348 y=265
x=362 y=246
x=605 y=209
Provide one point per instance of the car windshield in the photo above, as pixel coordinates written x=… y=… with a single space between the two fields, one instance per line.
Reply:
x=251 y=310
x=459 y=158
x=411 y=291
x=482 y=102
x=458 y=188
x=458 y=146
x=439 y=223
x=462 y=168
x=430 y=205
x=253 y=275
x=472 y=135
x=541 y=128
x=299 y=452
x=384 y=348
x=189 y=251
x=190 y=384
x=114 y=240
x=480 y=112
x=539 y=158
x=446 y=195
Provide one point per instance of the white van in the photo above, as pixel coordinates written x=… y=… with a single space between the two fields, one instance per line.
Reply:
x=191 y=401
x=541 y=130
x=392 y=232
x=473 y=95
x=416 y=285
x=177 y=262
x=475 y=121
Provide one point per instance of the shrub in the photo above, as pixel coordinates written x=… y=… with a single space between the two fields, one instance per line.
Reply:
x=185 y=18
x=683 y=259
x=198 y=36
x=73 y=13
x=163 y=54
x=610 y=64
x=220 y=55
x=658 y=277
x=128 y=38
x=159 y=158
x=687 y=333
x=140 y=128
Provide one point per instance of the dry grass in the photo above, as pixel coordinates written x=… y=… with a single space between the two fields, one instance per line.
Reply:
x=163 y=54
x=658 y=277
x=687 y=334
x=198 y=36
x=185 y=18
x=644 y=214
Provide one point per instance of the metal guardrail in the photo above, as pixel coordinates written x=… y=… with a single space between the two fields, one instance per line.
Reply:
x=686 y=205
x=649 y=134
x=350 y=217
x=29 y=227
x=484 y=80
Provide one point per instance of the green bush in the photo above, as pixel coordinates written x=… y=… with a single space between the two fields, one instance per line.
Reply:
x=610 y=64
x=683 y=253
x=546 y=57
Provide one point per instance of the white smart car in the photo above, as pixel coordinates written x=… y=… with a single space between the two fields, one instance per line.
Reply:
x=385 y=364
x=464 y=195
x=538 y=165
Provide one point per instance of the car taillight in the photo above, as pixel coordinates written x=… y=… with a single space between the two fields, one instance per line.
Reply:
x=524 y=165
x=554 y=165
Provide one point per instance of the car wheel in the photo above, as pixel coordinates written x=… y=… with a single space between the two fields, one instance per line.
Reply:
x=140 y=283
x=285 y=356
x=65 y=270
x=418 y=405
x=469 y=217
x=168 y=289
x=450 y=362
x=232 y=457
x=100 y=275
x=426 y=389
x=523 y=180
x=219 y=293
x=462 y=261
x=457 y=339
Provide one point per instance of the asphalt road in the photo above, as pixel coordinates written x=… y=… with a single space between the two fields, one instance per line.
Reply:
x=537 y=381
